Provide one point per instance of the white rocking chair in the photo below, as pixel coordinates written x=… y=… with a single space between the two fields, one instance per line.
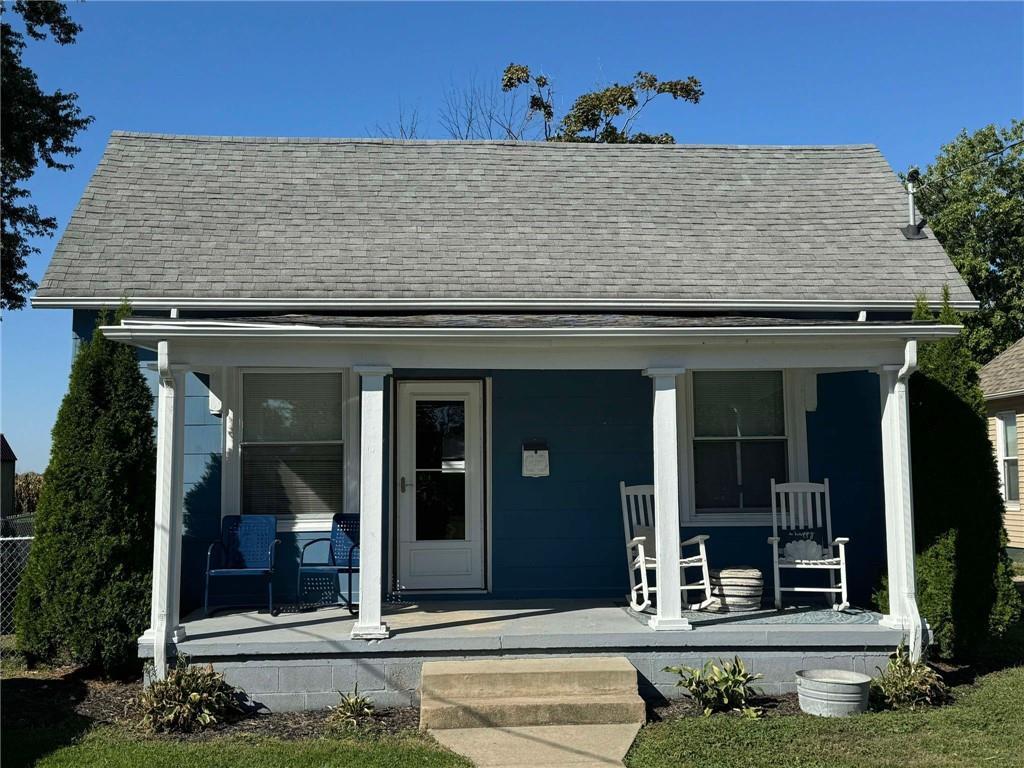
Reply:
x=638 y=523
x=802 y=539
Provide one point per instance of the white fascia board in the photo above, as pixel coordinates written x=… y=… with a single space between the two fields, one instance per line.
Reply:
x=142 y=333
x=1006 y=394
x=567 y=304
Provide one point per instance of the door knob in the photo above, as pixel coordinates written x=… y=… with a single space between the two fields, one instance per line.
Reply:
x=403 y=485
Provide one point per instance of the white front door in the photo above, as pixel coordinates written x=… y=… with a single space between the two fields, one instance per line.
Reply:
x=440 y=485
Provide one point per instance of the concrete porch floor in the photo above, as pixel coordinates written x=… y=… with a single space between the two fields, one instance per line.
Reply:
x=522 y=625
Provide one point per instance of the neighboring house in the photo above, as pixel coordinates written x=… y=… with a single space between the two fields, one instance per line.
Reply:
x=387 y=327
x=1002 y=382
x=7 y=473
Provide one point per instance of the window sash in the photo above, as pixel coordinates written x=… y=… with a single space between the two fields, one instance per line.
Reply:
x=1007 y=455
x=777 y=415
x=280 y=473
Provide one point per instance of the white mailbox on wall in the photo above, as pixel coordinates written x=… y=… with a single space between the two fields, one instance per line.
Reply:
x=535 y=459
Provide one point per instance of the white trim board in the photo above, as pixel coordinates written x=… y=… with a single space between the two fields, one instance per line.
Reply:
x=223 y=302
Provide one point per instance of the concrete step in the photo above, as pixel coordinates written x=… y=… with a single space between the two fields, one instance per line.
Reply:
x=543 y=746
x=515 y=711
x=451 y=680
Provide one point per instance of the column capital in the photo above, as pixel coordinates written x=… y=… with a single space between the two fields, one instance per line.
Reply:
x=372 y=370
x=658 y=372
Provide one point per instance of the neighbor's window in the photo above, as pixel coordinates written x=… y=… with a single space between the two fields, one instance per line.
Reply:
x=739 y=440
x=293 y=461
x=1006 y=447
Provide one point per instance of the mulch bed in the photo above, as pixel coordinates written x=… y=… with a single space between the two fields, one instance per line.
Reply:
x=35 y=699
x=771 y=706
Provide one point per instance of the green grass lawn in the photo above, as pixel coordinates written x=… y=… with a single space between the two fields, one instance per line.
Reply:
x=105 y=747
x=984 y=727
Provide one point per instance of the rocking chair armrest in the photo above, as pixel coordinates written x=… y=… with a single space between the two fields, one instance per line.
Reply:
x=636 y=540
x=698 y=539
x=840 y=541
x=209 y=552
x=308 y=544
x=773 y=539
x=351 y=551
x=270 y=551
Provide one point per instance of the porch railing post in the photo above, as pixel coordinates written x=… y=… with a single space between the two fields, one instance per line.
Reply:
x=899 y=501
x=168 y=513
x=369 y=625
x=666 y=500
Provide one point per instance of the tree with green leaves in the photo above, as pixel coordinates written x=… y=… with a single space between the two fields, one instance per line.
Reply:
x=949 y=361
x=35 y=126
x=608 y=115
x=973 y=198
x=84 y=595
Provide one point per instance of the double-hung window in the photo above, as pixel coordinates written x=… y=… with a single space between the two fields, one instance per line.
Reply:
x=1006 y=450
x=292 y=448
x=740 y=441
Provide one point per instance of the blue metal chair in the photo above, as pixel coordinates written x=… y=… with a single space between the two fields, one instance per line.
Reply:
x=342 y=557
x=246 y=548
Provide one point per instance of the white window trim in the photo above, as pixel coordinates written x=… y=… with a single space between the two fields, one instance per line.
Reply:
x=350 y=449
x=795 y=404
x=1001 y=418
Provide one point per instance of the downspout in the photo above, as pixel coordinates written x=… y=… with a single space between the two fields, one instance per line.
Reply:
x=916 y=630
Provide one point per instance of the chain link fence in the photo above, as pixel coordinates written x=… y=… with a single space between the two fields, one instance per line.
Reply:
x=16 y=535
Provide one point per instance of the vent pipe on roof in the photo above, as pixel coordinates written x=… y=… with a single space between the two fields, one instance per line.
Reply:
x=913 y=230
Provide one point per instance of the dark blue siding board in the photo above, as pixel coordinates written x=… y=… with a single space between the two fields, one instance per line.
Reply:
x=845 y=445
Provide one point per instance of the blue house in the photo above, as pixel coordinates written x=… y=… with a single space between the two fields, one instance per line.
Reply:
x=470 y=345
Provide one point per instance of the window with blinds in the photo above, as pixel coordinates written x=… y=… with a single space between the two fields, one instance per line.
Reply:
x=739 y=439
x=292 y=448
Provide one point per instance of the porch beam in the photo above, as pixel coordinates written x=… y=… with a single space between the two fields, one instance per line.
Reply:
x=669 y=604
x=168 y=514
x=369 y=625
x=899 y=501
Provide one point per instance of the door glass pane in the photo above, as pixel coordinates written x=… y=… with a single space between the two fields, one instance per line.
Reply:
x=762 y=461
x=440 y=434
x=714 y=470
x=738 y=404
x=440 y=505
x=1011 y=479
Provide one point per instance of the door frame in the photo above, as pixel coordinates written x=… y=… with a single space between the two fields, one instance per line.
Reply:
x=393 y=478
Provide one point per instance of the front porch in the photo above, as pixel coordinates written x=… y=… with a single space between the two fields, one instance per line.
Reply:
x=303 y=659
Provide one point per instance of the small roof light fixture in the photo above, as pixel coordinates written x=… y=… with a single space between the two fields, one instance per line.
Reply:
x=913 y=231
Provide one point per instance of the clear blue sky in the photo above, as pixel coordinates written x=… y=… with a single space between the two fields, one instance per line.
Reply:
x=905 y=76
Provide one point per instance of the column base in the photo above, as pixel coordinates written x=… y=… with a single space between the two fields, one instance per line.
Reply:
x=370 y=632
x=664 y=623
x=892 y=622
x=177 y=635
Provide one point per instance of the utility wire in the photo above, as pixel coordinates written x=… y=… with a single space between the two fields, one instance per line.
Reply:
x=958 y=171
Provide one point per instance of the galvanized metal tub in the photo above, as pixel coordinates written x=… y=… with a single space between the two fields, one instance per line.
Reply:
x=832 y=692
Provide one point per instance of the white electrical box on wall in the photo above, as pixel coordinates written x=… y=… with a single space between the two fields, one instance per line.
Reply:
x=535 y=459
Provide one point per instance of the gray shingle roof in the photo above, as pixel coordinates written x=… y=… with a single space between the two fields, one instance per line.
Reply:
x=202 y=217
x=1004 y=373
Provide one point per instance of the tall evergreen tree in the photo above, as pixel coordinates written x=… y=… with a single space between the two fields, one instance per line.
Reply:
x=949 y=361
x=84 y=595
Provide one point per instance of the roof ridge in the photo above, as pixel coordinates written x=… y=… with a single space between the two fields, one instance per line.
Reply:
x=469 y=142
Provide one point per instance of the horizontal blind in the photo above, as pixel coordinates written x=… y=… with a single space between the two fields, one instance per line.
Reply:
x=290 y=407
x=738 y=404
x=292 y=479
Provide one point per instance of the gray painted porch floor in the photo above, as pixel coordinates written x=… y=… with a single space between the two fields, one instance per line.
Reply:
x=522 y=625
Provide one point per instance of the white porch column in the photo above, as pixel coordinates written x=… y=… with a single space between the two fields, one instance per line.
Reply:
x=369 y=625
x=167 y=511
x=666 y=500
x=899 y=501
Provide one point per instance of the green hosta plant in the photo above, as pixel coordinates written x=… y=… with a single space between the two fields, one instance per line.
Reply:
x=906 y=684
x=352 y=711
x=190 y=698
x=723 y=687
